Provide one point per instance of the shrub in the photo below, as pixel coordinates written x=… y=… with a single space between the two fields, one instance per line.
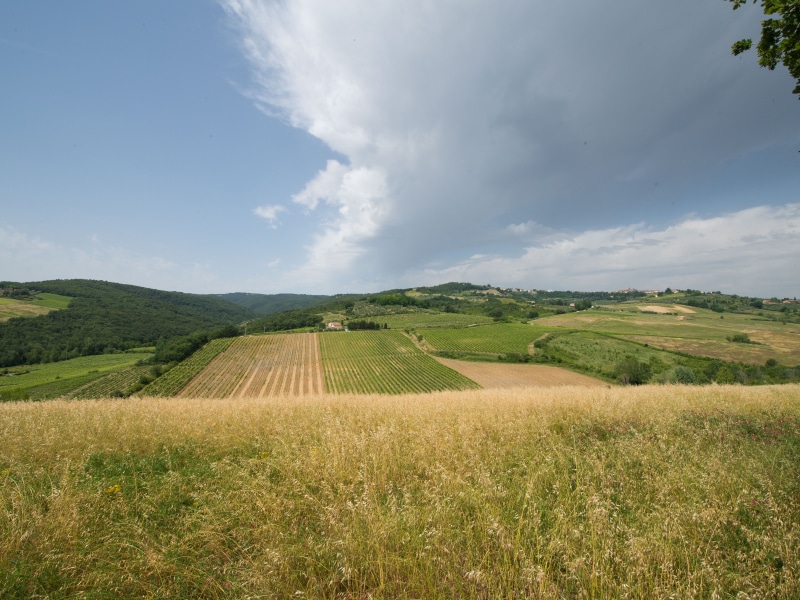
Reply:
x=684 y=375
x=632 y=372
x=724 y=375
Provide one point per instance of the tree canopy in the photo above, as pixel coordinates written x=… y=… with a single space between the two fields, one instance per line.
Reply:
x=780 y=36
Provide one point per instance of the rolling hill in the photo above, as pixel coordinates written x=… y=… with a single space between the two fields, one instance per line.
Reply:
x=105 y=317
x=267 y=304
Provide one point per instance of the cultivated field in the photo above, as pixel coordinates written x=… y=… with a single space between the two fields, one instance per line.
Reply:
x=424 y=320
x=487 y=339
x=503 y=375
x=639 y=492
x=180 y=375
x=383 y=362
x=261 y=367
x=55 y=379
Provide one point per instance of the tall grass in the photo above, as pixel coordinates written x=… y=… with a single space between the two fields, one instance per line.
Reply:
x=652 y=492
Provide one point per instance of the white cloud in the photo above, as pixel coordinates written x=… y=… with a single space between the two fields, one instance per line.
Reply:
x=753 y=251
x=456 y=119
x=269 y=213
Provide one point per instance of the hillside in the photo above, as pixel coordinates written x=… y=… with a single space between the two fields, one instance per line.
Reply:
x=106 y=317
x=267 y=304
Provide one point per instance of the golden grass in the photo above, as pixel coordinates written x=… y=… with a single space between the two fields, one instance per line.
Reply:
x=17 y=308
x=651 y=492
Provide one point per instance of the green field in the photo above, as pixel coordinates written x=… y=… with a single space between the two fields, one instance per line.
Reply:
x=383 y=362
x=499 y=338
x=42 y=304
x=701 y=332
x=425 y=320
x=55 y=379
x=54 y=301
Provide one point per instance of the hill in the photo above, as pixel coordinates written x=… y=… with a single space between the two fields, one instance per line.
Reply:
x=267 y=304
x=106 y=317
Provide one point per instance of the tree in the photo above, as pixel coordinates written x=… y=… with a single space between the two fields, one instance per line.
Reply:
x=780 y=36
x=632 y=372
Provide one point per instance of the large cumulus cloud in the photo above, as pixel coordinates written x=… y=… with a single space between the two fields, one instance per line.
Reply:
x=455 y=124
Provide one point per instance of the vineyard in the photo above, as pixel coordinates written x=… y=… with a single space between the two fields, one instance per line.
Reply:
x=383 y=362
x=113 y=384
x=489 y=339
x=51 y=380
x=171 y=382
x=423 y=320
x=260 y=367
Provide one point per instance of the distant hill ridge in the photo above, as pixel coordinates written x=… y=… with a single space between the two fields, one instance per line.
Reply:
x=267 y=304
x=106 y=317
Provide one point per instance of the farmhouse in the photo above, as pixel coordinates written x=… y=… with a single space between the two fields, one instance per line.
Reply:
x=334 y=326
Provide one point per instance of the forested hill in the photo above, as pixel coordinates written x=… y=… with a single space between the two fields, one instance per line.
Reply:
x=267 y=304
x=105 y=317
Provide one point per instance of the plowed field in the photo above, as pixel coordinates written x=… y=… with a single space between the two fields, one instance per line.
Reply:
x=261 y=367
x=499 y=375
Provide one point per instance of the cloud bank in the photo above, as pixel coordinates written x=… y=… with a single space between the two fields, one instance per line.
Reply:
x=501 y=130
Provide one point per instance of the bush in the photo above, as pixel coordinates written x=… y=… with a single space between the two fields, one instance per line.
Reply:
x=632 y=372
x=684 y=375
x=724 y=375
x=740 y=338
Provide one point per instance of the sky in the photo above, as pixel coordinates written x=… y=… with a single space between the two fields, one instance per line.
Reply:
x=322 y=147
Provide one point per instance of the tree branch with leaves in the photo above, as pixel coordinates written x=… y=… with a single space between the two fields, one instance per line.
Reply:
x=780 y=36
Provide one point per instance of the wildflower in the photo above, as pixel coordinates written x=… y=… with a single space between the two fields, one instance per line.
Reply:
x=114 y=489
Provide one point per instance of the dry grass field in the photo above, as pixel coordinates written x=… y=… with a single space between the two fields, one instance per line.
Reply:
x=17 y=308
x=501 y=375
x=640 y=492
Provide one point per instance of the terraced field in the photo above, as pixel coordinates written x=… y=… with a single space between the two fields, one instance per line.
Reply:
x=261 y=367
x=383 y=362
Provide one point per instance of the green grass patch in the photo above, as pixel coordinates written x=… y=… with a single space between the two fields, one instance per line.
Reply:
x=54 y=301
x=494 y=339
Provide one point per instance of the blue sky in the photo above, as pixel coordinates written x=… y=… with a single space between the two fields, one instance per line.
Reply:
x=319 y=147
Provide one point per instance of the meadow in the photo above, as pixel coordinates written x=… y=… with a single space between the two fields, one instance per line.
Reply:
x=42 y=304
x=638 y=492
x=694 y=331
